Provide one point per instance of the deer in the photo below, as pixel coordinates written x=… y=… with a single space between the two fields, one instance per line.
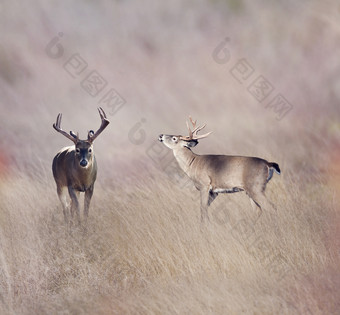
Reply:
x=216 y=174
x=75 y=168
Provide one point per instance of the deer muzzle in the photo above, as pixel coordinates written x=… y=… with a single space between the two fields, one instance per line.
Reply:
x=83 y=163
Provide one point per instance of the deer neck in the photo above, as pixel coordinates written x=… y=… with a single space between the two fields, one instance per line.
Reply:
x=185 y=158
x=84 y=176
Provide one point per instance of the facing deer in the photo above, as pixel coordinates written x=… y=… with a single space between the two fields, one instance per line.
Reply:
x=75 y=168
x=214 y=174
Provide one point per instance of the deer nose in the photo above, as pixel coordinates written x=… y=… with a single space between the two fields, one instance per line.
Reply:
x=160 y=138
x=83 y=163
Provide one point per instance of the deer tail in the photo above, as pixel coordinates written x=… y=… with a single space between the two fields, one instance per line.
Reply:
x=275 y=166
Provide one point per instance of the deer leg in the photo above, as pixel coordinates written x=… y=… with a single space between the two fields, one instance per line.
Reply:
x=256 y=207
x=261 y=197
x=88 y=196
x=63 y=200
x=255 y=202
x=75 y=202
x=260 y=201
x=205 y=196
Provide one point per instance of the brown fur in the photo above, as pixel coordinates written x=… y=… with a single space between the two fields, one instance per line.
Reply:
x=214 y=174
x=75 y=168
x=69 y=174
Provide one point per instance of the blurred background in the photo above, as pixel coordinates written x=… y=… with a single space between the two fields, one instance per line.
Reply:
x=165 y=61
x=265 y=78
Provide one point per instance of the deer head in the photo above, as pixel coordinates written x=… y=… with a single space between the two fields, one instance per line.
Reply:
x=178 y=141
x=83 y=148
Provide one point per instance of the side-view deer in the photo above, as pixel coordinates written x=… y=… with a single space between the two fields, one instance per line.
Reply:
x=214 y=174
x=75 y=168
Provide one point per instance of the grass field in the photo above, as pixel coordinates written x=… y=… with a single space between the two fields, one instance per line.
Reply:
x=144 y=250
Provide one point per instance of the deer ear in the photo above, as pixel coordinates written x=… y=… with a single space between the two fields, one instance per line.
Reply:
x=90 y=134
x=191 y=143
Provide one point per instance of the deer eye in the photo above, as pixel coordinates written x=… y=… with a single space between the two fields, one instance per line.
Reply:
x=90 y=150
x=78 y=150
x=174 y=139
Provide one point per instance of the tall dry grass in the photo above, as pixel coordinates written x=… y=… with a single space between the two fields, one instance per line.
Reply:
x=144 y=250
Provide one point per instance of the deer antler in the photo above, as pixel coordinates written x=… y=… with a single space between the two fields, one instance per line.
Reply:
x=93 y=135
x=72 y=136
x=193 y=133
